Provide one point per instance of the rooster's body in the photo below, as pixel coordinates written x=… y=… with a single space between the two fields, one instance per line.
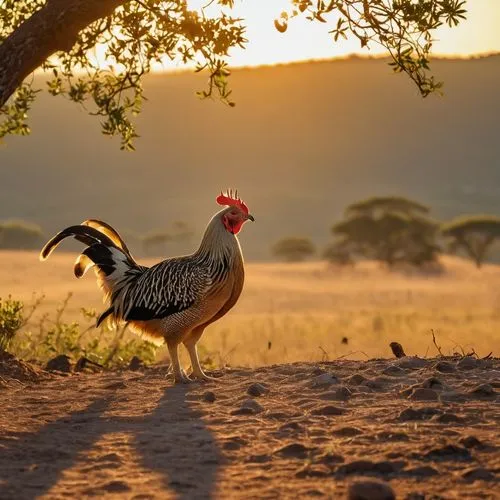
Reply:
x=176 y=299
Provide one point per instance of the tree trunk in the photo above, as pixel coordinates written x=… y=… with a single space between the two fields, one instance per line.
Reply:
x=51 y=29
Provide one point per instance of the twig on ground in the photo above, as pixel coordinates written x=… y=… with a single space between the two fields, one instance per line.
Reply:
x=435 y=343
x=488 y=356
x=351 y=353
x=325 y=354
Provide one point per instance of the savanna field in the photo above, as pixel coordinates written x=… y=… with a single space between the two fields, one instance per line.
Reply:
x=307 y=311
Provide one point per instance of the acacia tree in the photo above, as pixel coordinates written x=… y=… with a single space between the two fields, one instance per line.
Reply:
x=58 y=37
x=474 y=234
x=388 y=229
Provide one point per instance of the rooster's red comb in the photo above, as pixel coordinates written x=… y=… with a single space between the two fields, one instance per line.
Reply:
x=231 y=199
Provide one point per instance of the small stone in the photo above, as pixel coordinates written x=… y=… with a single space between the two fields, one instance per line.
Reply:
x=411 y=362
x=330 y=459
x=135 y=364
x=294 y=450
x=209 y=397
x=432 y=383
x=420 y=414
x=448 y=418
x=422 y=471
x=478 y=473
x=483 y=391
x=257 y=390
x=445 y=367
x=377 y=383
x=394 y=371
x=370 y=490
x=422 y=394
x=61 y=363
x=253 y=405
x=450 y=452
x=467 y=363
x=471 y=442
x=328 y=410
x=313 y=471
x=347 y=432
x=415 y=496
x=392 y=436
x=324 y=380
x=356 y=379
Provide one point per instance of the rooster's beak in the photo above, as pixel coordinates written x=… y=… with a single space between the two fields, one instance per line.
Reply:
x=250 y=217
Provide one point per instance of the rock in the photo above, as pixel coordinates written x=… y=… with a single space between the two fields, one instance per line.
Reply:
x=292 y=427
x=420 y=414
x=356 y=379
x=483 y=391
x=135 y=364
x=450 y=452
x=370 y=490
x=209 y=397
x=61 y=363
x=422 y=471
x=248 y=407
x=324 y=380
x=394 y=371
x=341 y=394
x=347 y=432
x=369 y=467
x=294 y=450
x=471 y=442
x=392 y=436
x=411 y=362
x=257 y=390
x=445 y=367
x=448 y=418
x=478 y=473
x=378 y=383
x=415 y=496
x=432 y=383
x=467 y=363
x=313 y=471
x=422 y=394
x=328 y=410
x=330 y=459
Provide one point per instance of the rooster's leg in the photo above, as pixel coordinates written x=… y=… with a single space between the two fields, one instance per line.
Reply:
x=179 y=374
x=190 y=343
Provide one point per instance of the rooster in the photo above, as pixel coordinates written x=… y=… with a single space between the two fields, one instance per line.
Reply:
x=176 y=299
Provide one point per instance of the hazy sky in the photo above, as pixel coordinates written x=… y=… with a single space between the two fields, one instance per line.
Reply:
x=480 y=33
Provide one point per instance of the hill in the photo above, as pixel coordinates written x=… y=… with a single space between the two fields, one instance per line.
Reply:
x=303 y=141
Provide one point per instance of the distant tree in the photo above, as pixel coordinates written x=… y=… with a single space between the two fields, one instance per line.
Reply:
x=474 y=234
x=293 y=249
x=389 y=229
x=60 y=38
x=338 y=253
x=155 y=243
x=20 y=235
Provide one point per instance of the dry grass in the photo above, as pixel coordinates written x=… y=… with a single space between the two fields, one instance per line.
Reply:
x=291 y=312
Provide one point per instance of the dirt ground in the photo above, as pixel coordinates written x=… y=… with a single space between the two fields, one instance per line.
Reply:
x=427 y=427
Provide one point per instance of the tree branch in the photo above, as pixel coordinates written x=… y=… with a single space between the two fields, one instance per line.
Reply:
x=51 y=29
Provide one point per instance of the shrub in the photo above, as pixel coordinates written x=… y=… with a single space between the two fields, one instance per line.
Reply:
x=11 y=320
x=293 y=249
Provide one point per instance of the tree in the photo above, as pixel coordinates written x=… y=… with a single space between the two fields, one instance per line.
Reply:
x=19 y=235
x=293 y=249
x=58 y=36
x=338 y=253
x=388 y=229
x=474 y=234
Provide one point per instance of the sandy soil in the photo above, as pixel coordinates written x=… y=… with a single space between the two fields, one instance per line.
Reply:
x=427 y=427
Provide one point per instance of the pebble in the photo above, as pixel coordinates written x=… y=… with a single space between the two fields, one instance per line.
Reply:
x=328 y=410
x=294 y=450
x=448 y=418
x=209 y=397
x=411 y=362
x=420 y=414
x=347 y=432
x=394 y=371
x=61 y=363
x=257 y=390
x=445 y=367
x=370 y=490
x=324 y=380
x=483 y=390
x=471 y=442
x=423 y=394
x=467 y=363
x=356 y=379
x=450 y=452
x=478 y=473
x=423 y=471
